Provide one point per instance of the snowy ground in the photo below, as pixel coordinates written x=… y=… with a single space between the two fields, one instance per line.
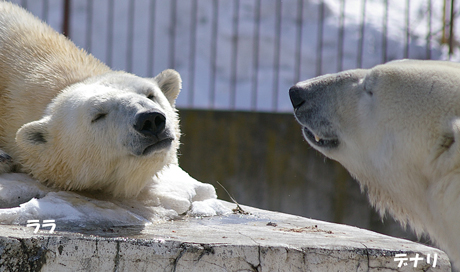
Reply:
x=171 y=194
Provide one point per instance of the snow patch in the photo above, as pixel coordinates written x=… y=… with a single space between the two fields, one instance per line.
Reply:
x=172 y=193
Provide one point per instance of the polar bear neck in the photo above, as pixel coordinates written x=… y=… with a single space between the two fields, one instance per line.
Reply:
x=384 y=194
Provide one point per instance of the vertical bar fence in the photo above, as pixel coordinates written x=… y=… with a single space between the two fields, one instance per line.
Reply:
x=244 y=55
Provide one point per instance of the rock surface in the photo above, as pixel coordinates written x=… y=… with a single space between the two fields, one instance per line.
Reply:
x=258 y=241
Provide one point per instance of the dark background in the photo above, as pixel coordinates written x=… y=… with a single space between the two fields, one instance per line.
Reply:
x=263 y=161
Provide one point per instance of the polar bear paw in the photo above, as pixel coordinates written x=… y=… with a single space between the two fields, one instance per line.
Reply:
x=6 y=162
x=208 y=207
x=176 y=189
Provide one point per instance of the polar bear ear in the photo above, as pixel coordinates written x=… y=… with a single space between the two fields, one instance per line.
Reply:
x=170 y=84
x=32 y=134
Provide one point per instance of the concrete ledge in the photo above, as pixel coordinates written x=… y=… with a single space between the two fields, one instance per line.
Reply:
x=260 y=241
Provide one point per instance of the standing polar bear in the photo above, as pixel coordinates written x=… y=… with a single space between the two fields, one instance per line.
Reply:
x=396 y=128
x=71 y=122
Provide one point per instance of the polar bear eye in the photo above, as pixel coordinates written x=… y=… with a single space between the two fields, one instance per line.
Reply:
x=98 y=117
x=150 y=96
x=369 y=92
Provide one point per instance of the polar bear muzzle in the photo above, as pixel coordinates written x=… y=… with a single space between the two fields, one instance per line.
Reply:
x=151 y=126
x=317 y=129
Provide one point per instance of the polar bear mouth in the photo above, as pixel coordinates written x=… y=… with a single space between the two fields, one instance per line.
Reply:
x=160 y=145
x=316 y=140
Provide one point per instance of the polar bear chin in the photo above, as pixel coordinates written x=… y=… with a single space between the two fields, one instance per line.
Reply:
x=124 y=177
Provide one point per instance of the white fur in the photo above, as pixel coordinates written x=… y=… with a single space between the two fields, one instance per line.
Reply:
x=398 y=132
x=50 y=94
x=83 y=155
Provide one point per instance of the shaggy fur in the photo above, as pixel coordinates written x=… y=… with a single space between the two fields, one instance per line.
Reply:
x=52 y=92
x=396 y=128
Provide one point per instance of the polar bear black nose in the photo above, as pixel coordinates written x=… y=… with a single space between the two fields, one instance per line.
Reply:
x=296 y=98
x=150 y=123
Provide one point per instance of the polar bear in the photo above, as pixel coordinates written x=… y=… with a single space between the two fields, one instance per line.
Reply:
x=73 y=123
x=396 y=128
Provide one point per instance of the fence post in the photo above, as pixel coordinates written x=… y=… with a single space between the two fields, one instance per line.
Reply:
x=448 y=22
x=451 y=28
x=66 y=19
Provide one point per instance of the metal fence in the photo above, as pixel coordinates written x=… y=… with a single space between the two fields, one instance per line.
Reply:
x=245 y=54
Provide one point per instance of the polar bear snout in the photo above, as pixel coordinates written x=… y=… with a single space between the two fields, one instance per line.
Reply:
x=317 y=129
x=152 y=133
x=150 y=123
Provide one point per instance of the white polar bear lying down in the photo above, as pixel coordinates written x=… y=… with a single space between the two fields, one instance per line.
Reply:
x=74 y=124
x=396 y=128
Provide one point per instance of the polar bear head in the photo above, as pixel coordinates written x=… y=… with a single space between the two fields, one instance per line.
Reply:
x=112 y=133
x=396 y=128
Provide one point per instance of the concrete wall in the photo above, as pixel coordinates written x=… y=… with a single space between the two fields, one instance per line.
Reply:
x=259 y=241
x=263 y=161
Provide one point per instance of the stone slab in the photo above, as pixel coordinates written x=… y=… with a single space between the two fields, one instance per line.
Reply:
x=259 y=241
